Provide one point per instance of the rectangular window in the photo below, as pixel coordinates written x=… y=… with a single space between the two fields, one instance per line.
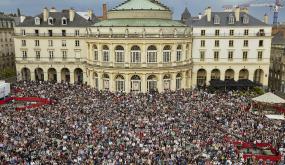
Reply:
x=50 y=33
x=260 y=44
x=203 y=42
x=231 y=43
x=77 y=33
x=244 y=55
x=50 y=42
x=178 y=83
x=231 y=32
x=50 y=54
x=260 y=54
x=38 y=54
x=230 y=55
x=245 y=43
x=178 y=55
x=119 y=56
x=24 y=54
x=217 y=43
x=37 y=42
x=63 y=33
x=152 y=57
x=166 y=56
x=96 y=55
x=77 y=43
x=24 y=43
x=120 y=85
x=203 y=32
x=136 y=56
x=64 y=54
x=202 y=56
x=23 y=32
x=217 y=32
x=261 y=32
x=63 y=43
x=105 y=55
x=37 y=32
x=246 y=32
x=216 y=55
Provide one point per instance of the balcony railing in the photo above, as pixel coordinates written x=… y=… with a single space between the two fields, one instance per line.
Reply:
x=50 y=35
x=234 y=35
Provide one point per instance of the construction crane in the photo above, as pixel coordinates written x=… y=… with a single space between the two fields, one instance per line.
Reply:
x=275 y=7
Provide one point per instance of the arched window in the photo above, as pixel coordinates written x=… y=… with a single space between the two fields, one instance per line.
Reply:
x=64 y=21
x=135 y=84
x=166 y=82
x=105 y=53
x=95 y=50
x=245 y=19
x=151 y=83
x=231 y=19
x=37 y=21
x=179 y=53
x=119 y=54
x=50 y=21
x=152 y=54
x=166 y=54
x=178 y=81
x=217 y=20
x=135 y=54
x=120 y=83
x=96 y=80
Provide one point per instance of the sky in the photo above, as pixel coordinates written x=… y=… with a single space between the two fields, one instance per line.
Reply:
x=34 y=7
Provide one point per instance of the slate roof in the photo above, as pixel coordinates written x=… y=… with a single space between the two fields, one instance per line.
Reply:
x=186 y=14
x=279 y=39
x=138 y=22
x=78 y=21
x=141 y=5
x=224 y=20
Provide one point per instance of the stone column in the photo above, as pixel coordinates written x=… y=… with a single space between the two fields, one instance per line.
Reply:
x=45 y=76
x=173 y=82
x=160 y=54
x=160 y=82
x=58 y=76
x=250 y=74
x=112 y=54
x=144 y=54
x=173 y=53
x=99 y=47
x=184 y=80
x=184 y=52
x=72 y=76
x=222 y=75
x=143 y=83
x=100 y=81
x=208 y=78
x=112 y=83
x=236 y=75
x=127 y=54
x=194 y=79
x=127 y=83
x=33 y=75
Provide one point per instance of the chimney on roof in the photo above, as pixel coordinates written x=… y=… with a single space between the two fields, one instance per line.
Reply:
x=71 y=14
x=104 y=17
x=52 y=10
x=45 y=14
x=265 y=18
x=208 y=13
x=200 y=16
x=90 y=14
x=237 y=14
x=22 y=18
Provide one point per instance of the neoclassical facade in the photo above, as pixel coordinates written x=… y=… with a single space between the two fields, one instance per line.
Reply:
x=136 y=47
x=230 y=45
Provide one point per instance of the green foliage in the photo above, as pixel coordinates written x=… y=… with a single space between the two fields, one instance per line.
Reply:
x=258 y=90
x=7 y=73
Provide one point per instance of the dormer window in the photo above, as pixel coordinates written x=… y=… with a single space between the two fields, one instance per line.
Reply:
x=231 y=19
x=50 y=21
x=64 y=21
x=245 y=19
x=37 y=21
x=216 y=20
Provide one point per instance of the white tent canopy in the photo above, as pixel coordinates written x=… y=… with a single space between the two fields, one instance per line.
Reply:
x=275 y=117
x=269 y=98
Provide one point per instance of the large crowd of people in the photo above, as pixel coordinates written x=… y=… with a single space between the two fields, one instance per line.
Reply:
x=86 y=126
